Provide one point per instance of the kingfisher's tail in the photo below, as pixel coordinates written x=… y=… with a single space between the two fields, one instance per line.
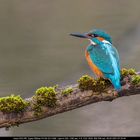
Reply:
x=117 y=85
x=115 y=81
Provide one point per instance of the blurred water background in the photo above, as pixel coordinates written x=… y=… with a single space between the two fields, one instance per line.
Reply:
x=36 y=50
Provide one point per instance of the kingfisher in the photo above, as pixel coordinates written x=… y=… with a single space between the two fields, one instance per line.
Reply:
x=102 y=56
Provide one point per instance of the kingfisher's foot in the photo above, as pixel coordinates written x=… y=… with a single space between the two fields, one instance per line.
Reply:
x=121 y=92
x=116 y=93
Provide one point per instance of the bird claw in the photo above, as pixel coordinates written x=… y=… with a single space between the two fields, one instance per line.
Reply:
x=115 y=94
x=118 y=93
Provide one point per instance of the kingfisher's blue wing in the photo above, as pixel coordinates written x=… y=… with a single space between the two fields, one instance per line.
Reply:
x=116 y=55
x=105 y=57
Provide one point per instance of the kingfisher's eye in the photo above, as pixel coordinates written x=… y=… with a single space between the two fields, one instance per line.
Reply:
x=91 y=35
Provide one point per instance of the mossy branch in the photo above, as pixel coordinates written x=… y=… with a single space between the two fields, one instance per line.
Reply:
x=48 y=101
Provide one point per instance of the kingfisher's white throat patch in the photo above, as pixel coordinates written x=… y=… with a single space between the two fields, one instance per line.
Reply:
x=105 y=41
x=92 y=42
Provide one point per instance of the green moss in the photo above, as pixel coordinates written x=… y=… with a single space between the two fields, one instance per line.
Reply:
x=46 y=96
x=88 y=83
x=67 y=91
x=101 y=84
x=12 y=103
x=136 y=79
x=132 y=71
x=125 y=72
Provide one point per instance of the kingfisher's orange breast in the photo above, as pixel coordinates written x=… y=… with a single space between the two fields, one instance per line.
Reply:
x=94 y=68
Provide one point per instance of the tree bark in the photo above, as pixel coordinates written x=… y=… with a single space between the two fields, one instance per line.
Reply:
x=66 y=103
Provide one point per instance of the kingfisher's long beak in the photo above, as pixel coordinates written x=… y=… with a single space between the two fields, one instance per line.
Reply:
x=79 y=35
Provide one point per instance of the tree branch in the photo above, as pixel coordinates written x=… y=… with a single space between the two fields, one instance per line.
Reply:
x=65 y=103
